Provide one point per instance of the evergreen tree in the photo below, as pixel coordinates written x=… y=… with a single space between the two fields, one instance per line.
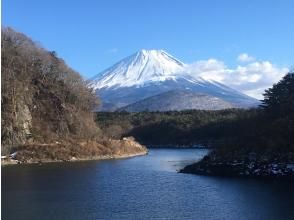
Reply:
x=279 y=100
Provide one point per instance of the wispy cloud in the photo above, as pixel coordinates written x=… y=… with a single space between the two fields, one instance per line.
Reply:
x=244 y=57
x=112 y=50
x=251 y=78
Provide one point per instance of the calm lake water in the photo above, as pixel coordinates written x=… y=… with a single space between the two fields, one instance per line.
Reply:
x=146 y=187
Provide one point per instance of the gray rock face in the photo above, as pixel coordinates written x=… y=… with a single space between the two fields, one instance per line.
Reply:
x=177 y=100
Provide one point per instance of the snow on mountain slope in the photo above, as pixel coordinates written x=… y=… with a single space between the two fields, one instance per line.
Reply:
x=142 y=67
x=151 y=72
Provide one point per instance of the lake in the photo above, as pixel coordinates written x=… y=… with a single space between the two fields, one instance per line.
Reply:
x=145 y=187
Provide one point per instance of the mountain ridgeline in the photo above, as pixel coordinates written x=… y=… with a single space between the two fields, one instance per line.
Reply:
x=175 y=100
x=134 y=83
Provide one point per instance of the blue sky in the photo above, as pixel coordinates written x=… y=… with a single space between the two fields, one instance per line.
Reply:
x=92 y=35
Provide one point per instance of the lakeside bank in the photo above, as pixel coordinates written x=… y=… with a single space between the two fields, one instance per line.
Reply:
x=80 y=151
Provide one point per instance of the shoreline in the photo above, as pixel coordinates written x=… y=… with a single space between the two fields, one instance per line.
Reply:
x=80 y=151
x=245 y=168
x=12 y=162
x=177 y=146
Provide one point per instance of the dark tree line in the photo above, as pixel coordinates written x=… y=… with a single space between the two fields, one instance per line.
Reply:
x=279 y=100
x=269 y=128
x=175 y=127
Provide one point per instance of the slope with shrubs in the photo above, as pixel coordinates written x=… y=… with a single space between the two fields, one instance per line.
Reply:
x=45 y=102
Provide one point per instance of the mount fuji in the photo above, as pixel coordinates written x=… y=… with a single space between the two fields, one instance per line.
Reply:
x=149 y=73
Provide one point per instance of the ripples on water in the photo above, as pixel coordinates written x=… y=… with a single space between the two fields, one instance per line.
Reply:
x=146 y=187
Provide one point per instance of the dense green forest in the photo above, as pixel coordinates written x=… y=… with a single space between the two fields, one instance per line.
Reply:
x=267 y=149
x=272 y=129
x=177 y=127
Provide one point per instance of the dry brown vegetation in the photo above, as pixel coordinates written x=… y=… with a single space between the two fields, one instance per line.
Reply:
x=84 y=150
x=45 y=102
x=42 y=98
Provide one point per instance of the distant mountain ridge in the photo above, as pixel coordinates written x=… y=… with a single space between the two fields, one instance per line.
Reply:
x=152 y=72
x=178 y=100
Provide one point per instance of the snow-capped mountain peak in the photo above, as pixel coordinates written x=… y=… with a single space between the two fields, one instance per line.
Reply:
x=140 y=68
x=149 y=73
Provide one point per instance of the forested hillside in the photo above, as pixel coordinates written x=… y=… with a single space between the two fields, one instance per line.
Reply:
x=268 y=150
x=178 y=127
x=44 y=101
x=42 y=98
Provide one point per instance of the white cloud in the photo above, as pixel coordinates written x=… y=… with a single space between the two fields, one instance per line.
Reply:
x=251 y=78
x=244 y=57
